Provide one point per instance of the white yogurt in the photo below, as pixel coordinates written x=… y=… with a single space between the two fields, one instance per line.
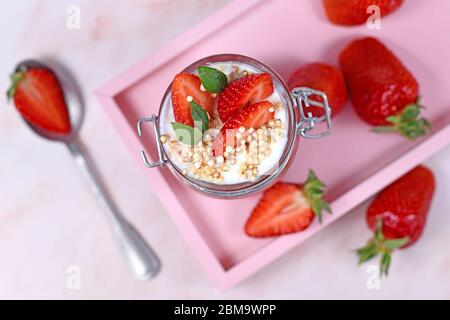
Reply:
x=232 y=176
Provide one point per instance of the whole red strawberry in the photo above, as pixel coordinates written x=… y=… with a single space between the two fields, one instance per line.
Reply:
x=325 y=78
x=383 y=92
x=398 y=215
x=286 y=208
x=243 y=92
x=38 y=96
x=354 y=12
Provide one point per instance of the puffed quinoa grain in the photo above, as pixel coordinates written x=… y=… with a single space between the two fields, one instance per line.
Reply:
x=253 y=146
x=163 y=139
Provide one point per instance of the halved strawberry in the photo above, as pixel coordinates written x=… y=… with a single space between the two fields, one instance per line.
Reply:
x=287 y=208
x=253 y=116
x=188 y=85
x=38 y=96
x=243 y=92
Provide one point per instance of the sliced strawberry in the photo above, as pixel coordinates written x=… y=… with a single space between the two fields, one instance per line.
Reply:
x=253 y=116
x=39 y=98
x=243 y=92
x=283 y=209
x=188 y=85
x=287 y=208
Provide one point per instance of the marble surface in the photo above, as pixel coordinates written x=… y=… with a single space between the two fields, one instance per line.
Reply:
x=50 y=221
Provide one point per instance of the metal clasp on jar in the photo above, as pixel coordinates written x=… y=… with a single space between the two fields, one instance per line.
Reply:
x=308 y=123
x=161 y=161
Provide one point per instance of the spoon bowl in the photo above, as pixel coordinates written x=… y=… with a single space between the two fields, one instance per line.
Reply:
x=72 y=95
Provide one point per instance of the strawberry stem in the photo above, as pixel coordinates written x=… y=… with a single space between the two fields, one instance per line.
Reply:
x=314 y=190
x=407 y=123
x=16 y=77
x=379 y=245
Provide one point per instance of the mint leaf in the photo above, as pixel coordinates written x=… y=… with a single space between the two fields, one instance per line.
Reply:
x=212 y=79
x=200 y=117
x=187 y=134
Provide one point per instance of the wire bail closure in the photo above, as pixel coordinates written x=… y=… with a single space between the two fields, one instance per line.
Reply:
x=308 y=122
x=161 y=161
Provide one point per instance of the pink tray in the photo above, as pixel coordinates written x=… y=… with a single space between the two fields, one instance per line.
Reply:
x=354 y=162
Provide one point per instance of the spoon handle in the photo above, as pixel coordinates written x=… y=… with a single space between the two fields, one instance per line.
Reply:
x=141 y=259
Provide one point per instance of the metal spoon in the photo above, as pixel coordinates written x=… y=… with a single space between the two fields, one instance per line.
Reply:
x=142 y=261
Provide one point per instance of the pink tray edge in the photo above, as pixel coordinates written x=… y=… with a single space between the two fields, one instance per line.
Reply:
x=225 y=279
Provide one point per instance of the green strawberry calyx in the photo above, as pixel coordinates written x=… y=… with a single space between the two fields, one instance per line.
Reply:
x=407 y=123
x=314 y=191
x=379 y=245
x=16 y=78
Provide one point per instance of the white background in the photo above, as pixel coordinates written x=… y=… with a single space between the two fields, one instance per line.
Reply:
x=49 y=220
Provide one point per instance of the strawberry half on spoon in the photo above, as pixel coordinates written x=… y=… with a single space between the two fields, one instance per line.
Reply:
x=287 y=208
x=398 y=216
x=38 y=96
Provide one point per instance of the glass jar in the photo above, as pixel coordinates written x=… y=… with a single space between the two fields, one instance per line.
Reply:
x=300 y=123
